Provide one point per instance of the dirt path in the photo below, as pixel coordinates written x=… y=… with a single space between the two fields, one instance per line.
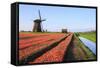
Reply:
x=75 y=52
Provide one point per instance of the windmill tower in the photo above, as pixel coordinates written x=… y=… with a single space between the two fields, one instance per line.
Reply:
x=38 y=24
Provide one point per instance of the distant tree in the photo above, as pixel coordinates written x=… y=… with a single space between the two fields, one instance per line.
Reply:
x=77 y=34
x=22 y=31
x=43 y=31
x=29 y=31
x=46 y=30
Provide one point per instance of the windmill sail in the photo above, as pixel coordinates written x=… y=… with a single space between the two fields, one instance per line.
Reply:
x=39 y=15
x=38 y=27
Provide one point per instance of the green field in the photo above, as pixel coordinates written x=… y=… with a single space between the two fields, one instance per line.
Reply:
x=89 y=35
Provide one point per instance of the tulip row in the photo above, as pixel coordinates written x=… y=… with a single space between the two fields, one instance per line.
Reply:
x=29 y=46
x=56 y=54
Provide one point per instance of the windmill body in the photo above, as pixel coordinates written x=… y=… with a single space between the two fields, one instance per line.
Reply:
x=38 y=24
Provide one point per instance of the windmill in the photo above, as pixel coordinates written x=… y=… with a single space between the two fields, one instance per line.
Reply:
x=38 y=24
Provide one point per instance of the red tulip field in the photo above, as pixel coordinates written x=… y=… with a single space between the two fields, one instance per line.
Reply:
x=46 y=47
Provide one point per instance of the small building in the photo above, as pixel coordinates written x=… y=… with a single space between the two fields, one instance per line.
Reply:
x=64 y=30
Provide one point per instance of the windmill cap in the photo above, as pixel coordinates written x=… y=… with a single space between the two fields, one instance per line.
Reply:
x=37 y=20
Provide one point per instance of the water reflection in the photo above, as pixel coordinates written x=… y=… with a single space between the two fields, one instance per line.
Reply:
x=91 y=45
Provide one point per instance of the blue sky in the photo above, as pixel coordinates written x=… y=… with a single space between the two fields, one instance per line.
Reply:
x=57 y=18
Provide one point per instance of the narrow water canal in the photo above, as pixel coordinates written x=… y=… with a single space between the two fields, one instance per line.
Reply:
x=91 y=45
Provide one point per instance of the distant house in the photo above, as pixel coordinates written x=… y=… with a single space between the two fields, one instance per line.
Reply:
x=64 y=30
